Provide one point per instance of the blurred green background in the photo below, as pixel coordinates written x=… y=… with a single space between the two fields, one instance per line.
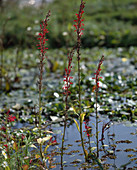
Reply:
x=108 y=23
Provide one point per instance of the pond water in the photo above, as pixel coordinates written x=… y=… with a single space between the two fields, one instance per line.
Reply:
x=120 y=140
x=123 y=132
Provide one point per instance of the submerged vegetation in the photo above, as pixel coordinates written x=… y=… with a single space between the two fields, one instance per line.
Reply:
x=55 y=112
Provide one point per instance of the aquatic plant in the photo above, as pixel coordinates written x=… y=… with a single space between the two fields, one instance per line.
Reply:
x=5 y=134
x=42 y=47
x=16 y=144
x=66 y=87
x=79 y=31
x=96 y=89
x=67 y=79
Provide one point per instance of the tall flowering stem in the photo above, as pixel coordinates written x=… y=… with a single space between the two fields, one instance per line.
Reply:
x=78 y=29
x=96 y=88
x=42 y=47
x=66 y=87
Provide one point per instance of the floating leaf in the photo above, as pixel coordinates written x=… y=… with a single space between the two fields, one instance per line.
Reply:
x=131 y=155
x=53 y=167
x=93 y=148
x=124 y=141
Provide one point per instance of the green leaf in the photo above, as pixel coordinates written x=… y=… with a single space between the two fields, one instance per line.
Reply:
x=82 y=115
x=45 y=150
x=76 y=124
x=75 y=111
x=7 y=168
x=46 y=138
x=33 y=146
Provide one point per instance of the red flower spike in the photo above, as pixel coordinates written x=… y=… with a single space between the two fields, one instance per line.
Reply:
x=8 y=111
x=11 y=118
x=6 y=146
x=67 y=77
x=79 y=20
x=87 y=128
x=97 y=75
x=3 y=128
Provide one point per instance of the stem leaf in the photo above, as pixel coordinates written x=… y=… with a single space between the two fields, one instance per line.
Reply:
x=75 y=111
x=82 y=115
x=76 y=124
x=45 y=150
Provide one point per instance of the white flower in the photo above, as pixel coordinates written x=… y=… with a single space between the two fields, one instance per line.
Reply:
x=36 y=21
x=56 y=94
x=37 y=33
x=29 y=28
x=5 y=164
x=4 y=154
x=64 y=33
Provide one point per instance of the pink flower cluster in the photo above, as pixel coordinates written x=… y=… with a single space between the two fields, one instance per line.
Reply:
x=42 y=40
x=51 y=141
x=97 y=74
x=79 y=20
x=67 y=80
x=87 y=127
x=11 y=118
x=67 y=77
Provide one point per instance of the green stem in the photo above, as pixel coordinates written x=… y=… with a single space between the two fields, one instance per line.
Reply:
x=1 y=69
x=44 y=165
x=64 y=131
x=39 y=116
x=62 y=147
x=79 y=79
x=97 y=124
x=82 y=142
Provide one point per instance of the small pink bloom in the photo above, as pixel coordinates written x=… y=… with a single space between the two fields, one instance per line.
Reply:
x=6 y=146
x=30 y=161
x=11 y=118
x=3 y=128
